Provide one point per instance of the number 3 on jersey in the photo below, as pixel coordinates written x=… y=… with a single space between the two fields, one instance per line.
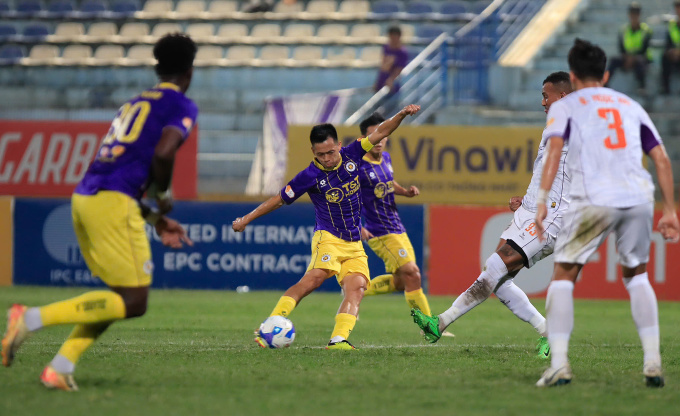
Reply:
x=616 y=125
x=127 y=126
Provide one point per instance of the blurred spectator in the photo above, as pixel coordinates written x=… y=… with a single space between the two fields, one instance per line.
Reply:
x=671 y=52
x=394 y=59
x=634 y=47
x=255 y=6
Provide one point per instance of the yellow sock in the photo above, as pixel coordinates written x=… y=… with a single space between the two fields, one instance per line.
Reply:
x=344 y=323
x=88 y=308
x=284 y=306
x=381 y=285
x=417 y=299
x=80 y=340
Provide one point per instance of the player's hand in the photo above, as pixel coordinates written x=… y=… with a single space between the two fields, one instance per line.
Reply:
x=164 y=205
x=412 y=191
x=365 y=234
x=411 y=109
x=172 y=233
x=541 y=213
x=515 y=202
x=669 y=227
x=239 y=224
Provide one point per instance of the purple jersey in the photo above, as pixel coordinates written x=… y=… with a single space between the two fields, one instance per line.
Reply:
x=393 y=58
x=123 y=162
x=335 y=193
x=377 y=196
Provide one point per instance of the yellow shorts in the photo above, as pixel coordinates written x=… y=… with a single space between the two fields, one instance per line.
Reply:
x=110 y=231
x=339 y=256
x=394 y=249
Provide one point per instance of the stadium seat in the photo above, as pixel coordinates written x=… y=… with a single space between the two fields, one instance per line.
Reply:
x=68 y=32
x=232 y=31
x=162 y=29
x=201 y=31
x=125 y=7
x=299 y=31
x=240 y=54
x=218 y=7
x=479 y=6
x=4 y=7
x=365 y=31
x=11 y=54
x=276 y=55
x=101 y=31
x=354 y=6
x=453 y=8
x=159 y=8
x=419 y=7
x=134 y=31
x=371 y=55
x=140 y=55
x=43 y=54
x=428 y=32
x=190 y=8
x=29 y=7
x=7 y=31
x=308 y=54
x=58 y=8
x=109 y=54
x=208 y=55
x=36 y=31
x=332 y=31
x=281 y=7
x=344 y=56
x=385 y=7
x=407 y=32
x=93 y=7
x=322 y=6
x=76 y=55
x=266 y=30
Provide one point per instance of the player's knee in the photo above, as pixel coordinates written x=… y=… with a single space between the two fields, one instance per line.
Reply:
x=135 y=306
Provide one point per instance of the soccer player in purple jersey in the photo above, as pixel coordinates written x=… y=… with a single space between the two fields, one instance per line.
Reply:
x=108 y=218
x=383 y=231
x=332 y=182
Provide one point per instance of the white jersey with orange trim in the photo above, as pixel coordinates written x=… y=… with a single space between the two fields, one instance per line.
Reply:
x=607 y=133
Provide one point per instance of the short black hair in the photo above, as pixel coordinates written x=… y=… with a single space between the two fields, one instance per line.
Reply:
x=635 y=7
x=559 y=79
x=373 y=120
x=321 y=132
x=394 y=30
x=587 y=61
x=175 y=53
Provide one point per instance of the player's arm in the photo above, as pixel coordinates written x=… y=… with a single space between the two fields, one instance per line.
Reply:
x=161 y=166
x=388 y=126
x=410 y=192
x=668 y=224
x=265 y=208
x=551 y=162
x=172 y=234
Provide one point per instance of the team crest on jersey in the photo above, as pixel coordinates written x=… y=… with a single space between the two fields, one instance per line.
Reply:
x=350 y=166
x=553 y=205
x=402 y=252
x=335 y=195
x=148 y=267
x=326 y=258
x=289 y=191
x=380 y=190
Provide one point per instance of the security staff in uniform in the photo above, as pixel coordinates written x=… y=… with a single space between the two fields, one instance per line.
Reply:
x=671 y=51
x=634 y=50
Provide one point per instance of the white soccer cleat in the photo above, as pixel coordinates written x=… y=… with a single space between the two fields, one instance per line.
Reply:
x=555 y=377
x=653 y=375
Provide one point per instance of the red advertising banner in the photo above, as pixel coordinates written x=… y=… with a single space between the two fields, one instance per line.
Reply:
x=461 y=238
x=48 y=158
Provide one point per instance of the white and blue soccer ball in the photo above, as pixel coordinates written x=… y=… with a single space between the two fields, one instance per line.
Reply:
x=277 y=332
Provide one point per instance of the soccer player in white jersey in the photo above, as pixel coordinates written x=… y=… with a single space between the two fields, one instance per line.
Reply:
x=611 y=191
x=519 y=245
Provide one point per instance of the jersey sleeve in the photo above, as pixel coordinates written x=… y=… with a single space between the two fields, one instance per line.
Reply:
x=184 y=117
x=558 y=121
x=649 y=136
x=300 y=184
x=358 y=148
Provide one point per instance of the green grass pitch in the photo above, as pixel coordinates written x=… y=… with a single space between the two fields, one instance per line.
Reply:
x=193 y=354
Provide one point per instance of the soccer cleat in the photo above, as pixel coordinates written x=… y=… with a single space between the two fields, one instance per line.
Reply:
x=448 y=334
x=555 y=377
x=15 y=334
x=340 y=345
x=261 y=342
x=429 y=325
x=653 y=375
x=543 y=348
x=51 y=379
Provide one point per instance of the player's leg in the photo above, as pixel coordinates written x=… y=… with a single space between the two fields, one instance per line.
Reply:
x=311 y=280
x=633 y=237
x=640 y=70
x=385 y=283
x=353 y=285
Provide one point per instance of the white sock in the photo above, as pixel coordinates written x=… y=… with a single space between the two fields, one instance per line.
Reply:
x=33 y=319
x=517 y=301
x=62 y=365
x=560 y=311
x=481 y=289
x=337 y=339
x=645 y=314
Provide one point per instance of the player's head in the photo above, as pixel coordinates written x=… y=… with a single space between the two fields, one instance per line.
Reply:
x=325 y=145
x=587 y=64
x=634 y=11
x=175 y=55
x=394 y=35
x=368 y=126
x=555 y=86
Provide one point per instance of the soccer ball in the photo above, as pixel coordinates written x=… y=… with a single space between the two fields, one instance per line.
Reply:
x=277 y=332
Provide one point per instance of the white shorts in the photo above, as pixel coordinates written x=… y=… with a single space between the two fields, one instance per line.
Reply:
x=521 y=235
x=587 y=226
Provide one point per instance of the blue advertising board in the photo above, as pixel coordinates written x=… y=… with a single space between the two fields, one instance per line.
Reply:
x=272 y=253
